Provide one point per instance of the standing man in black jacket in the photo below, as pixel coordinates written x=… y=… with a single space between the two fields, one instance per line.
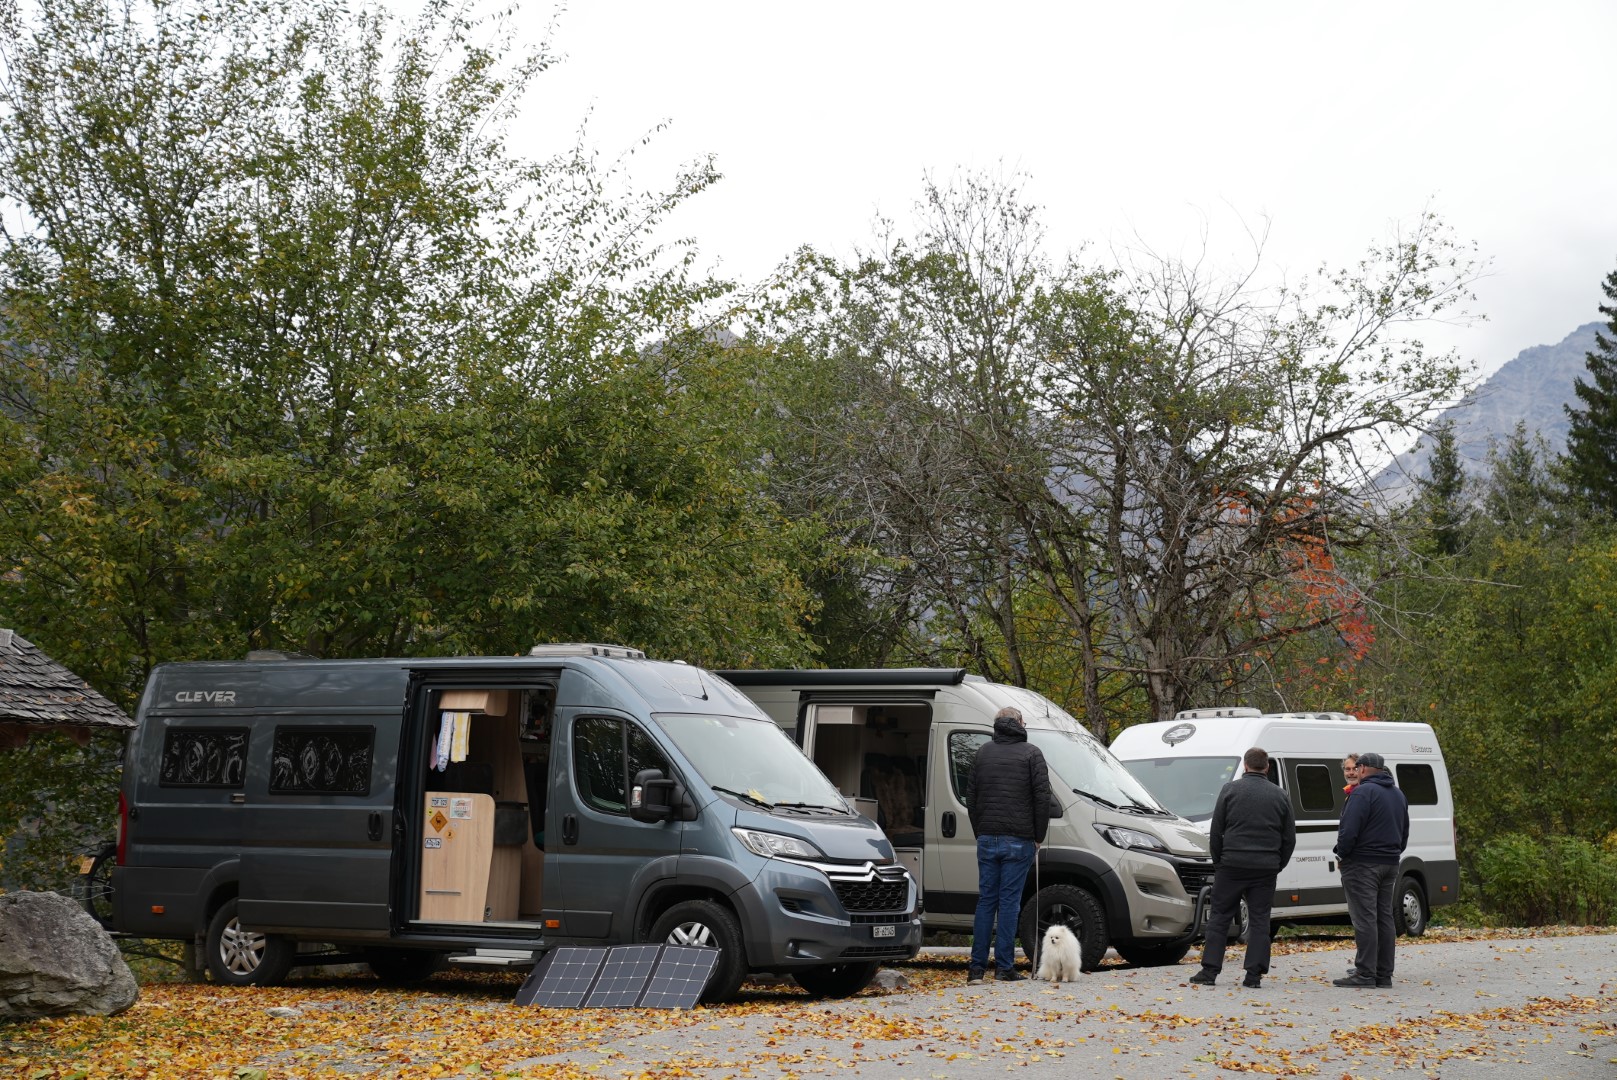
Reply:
x=1370 y=841
x=1253 y=835
x=1008 y=801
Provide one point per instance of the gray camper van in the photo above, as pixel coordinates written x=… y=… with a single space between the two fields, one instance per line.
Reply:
x=482 y=810
x=1117 y=867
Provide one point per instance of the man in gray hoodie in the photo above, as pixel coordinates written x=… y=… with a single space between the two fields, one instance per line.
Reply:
x=1253 y=835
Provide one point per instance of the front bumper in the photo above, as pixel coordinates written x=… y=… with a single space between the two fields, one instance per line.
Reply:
x=1167 y=895
x=802 y=914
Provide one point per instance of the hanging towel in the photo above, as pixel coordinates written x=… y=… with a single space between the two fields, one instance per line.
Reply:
x=463 y=730
x=446 y=730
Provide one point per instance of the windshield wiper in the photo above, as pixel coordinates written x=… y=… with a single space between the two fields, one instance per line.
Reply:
x=1135 y=806
x=755 y=800
x=814 y=806
x=1096 y=798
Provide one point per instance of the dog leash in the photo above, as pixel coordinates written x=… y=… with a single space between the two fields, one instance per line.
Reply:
x=1038 y=932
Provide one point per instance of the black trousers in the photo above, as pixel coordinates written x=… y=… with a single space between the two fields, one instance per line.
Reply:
x=1230 y=884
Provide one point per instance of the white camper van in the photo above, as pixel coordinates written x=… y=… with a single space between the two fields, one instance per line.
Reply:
x=1187 y=761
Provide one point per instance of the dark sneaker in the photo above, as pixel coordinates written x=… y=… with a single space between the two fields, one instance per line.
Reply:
x=1353 y=971
x=1383 y=983
x=974 y=977
x=1009 y=976
x=1353 y=980
x=1204 y=978
x=1253 y=982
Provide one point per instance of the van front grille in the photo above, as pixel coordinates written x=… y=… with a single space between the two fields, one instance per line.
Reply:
x=1194 y=875
x=875 y=895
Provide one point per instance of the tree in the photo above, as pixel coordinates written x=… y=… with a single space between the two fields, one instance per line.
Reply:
x=1173 y=461
x=1591 y=447
x=1441 y=506
x=298 y=354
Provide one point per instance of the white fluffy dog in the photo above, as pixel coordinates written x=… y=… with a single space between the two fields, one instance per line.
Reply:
x=1058 y=955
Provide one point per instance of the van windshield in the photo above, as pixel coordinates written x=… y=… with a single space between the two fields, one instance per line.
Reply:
x=1188 y=786
x=1081 y=761
x=752 y=760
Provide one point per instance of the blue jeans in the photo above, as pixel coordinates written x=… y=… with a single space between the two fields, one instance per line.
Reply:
x=1002 y=866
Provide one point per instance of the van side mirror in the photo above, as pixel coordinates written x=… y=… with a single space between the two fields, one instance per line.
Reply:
x=656 y=797
x=1056 y=809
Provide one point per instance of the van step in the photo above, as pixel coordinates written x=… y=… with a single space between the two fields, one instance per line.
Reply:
x=496 y=958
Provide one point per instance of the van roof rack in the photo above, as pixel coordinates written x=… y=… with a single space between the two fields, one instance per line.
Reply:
x=1213 y=714
x=581 y=648
x=1319 y=716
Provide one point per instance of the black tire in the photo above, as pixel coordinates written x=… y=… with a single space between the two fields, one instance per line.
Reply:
x=837 y=980
x=1412 y=912
x=401 y=967
x=1078 y=910
x=93 y=890
x=1152 y=953
x=709 y=923
x=1240 y=924
x=239 y=957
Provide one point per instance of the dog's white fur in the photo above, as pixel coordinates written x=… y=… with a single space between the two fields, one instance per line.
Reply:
x=1059 y=957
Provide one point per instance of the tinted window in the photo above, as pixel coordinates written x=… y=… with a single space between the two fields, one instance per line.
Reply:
x=601 y=766
x=1316 y=793
x=645 y=754
x=1419 y=784
x=963 y=746
x=204 y=757
x=598 y=762
x=321 y=761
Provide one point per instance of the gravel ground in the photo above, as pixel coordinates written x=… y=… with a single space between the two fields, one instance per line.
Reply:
x=1530 y=1007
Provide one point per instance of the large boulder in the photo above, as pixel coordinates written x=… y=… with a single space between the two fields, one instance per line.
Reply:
x=54 y=959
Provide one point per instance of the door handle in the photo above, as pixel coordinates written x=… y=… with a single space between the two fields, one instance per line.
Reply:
x=374 y=831
x=569 y=829
x=947 y=824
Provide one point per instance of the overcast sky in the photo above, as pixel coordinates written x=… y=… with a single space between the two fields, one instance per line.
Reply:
x=1140 y=124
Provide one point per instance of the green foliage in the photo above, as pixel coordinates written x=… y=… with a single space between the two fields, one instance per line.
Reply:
x=1159 y=464
x=299 y=355
x=322 y=366
x=1591 y=451
x=1531 y=881
x=58 y=801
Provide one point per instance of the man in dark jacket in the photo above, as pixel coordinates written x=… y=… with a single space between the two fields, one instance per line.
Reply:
x=1370 y=841
x=1253 y=835
x=1008 y=800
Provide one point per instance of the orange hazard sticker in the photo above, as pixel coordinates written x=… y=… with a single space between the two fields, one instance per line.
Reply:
x=438 y=820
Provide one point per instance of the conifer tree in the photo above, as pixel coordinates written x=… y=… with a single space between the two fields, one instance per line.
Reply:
x=1441 y=498
x=1591 y=450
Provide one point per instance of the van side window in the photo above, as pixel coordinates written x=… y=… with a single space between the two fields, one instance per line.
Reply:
x=203 y=757
x=321 y=761
x=1316 y=794
x=603 y=765
x=963 y=747
x=1419 y=784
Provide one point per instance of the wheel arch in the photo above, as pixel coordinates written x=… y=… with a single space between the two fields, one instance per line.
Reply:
x=221 y=884
x=1086 y=870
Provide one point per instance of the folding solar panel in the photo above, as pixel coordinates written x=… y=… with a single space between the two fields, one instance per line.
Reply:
x=648 y=976
x=682 y=972
x=562 y=978
x=623 y=977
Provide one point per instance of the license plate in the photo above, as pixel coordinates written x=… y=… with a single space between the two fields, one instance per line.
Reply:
x=883 y=931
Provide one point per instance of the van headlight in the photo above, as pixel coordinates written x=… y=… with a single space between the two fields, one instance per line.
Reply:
x=770 y=844
x=1130 y=839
